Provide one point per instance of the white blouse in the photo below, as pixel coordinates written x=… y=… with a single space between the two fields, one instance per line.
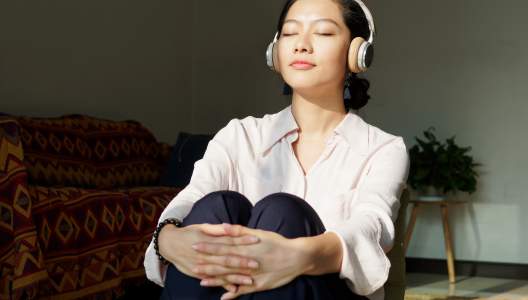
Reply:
x=354 y=186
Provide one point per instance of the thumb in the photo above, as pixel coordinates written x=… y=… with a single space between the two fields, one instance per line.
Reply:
x=231 y=288
x=229 y=295
x=240 y=291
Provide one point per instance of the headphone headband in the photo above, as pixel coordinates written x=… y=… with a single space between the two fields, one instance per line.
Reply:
x=276 y=37
x=368 y=15
x=370 y=20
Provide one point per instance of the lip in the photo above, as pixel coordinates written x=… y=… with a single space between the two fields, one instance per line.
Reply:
x=302 y=65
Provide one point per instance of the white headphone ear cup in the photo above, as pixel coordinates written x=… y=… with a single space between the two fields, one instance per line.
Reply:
x=269 y=56
x=272 y=59
x=355 y=55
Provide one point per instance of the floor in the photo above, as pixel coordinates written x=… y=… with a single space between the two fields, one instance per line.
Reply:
x=436 y=287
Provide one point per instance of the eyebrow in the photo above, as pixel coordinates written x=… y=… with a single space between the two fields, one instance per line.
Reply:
x=314 y=21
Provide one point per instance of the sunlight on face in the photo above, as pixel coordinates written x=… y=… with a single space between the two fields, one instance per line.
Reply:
x=314 y=31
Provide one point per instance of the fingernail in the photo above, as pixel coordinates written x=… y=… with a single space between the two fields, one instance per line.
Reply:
x=204 y=282
x=253 y=264
x=247 y=281
x=254 y=239
x=195 y=247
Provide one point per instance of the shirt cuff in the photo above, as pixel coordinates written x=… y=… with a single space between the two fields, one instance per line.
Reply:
x=154 y=269
x=365 y=265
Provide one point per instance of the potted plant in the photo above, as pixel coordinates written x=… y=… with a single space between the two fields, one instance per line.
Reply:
x=440 y=168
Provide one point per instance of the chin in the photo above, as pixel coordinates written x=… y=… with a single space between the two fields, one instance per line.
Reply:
x=307 y=91
x=301 y=86
x=301 y=81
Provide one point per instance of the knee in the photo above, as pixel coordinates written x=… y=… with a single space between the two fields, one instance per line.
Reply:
x=222 y=197
x=288 y=215
x=219 y=207
x=285 y=204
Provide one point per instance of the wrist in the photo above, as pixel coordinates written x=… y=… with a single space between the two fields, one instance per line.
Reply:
x=323 y=254
x=165 y=236
x=164 y=228
x=306 y=254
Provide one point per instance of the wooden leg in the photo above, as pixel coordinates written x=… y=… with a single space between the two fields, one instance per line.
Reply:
x=448 y=245
x=410 y=227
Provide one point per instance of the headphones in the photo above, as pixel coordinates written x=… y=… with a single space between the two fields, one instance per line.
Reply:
x=360 y=52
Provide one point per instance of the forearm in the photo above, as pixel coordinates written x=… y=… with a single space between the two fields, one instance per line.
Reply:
x=325 y=254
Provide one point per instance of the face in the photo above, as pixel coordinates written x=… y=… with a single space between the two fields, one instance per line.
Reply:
x=314 y=32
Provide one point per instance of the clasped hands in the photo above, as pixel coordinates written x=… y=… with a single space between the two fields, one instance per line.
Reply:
x=242 y=260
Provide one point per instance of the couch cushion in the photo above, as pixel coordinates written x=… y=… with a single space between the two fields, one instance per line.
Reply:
x=83 y=151
x=188 y=149
x=55 y=151
x=125 y=153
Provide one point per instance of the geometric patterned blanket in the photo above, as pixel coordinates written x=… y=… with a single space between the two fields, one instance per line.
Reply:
x=93 y=241
x=61 y=242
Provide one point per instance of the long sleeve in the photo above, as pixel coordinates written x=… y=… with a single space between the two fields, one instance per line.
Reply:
x=367 y=233
x=211 y=173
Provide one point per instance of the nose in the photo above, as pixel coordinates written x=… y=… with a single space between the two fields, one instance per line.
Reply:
x=302 y=44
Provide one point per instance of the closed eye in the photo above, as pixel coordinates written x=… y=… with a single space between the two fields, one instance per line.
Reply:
x=324 y=34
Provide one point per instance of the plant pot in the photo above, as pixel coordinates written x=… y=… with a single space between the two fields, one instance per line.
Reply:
x=431 y=193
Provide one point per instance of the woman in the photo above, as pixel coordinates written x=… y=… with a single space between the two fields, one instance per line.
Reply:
x=299 y=204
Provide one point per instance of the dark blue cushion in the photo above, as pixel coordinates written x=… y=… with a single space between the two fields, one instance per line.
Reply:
x=188 y=149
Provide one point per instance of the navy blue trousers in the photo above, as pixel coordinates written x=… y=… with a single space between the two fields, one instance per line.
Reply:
x=282 y=213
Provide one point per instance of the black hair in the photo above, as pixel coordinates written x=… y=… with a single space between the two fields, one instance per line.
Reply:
x=357 y=23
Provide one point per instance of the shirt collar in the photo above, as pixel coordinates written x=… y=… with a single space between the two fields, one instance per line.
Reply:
x=352 y=128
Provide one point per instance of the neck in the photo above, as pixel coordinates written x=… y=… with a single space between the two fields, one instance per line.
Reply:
x=317 y=116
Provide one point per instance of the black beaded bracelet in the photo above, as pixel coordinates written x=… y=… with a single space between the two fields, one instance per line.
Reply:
x=173 y=221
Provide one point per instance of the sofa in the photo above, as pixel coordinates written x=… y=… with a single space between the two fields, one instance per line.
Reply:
x=79 y=200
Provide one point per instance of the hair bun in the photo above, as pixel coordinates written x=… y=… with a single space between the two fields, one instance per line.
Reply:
x=358 y=89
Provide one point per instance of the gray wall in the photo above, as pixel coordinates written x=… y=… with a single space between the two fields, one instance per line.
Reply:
x=173 y=65
x=461 y=66
x=193 y=65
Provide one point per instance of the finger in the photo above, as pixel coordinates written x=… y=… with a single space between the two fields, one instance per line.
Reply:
x=228 y=296
x=217 y=230
x=216 y=281
x=212 y=281
x=241 y=240
x=230 y=279
x=240 y=291
x=231 y=288
x=222 y=249
x=237 y=230
x=238 y=279
x=214 y=271
x=213 y=229
x=214 y=248
x=230 y=261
